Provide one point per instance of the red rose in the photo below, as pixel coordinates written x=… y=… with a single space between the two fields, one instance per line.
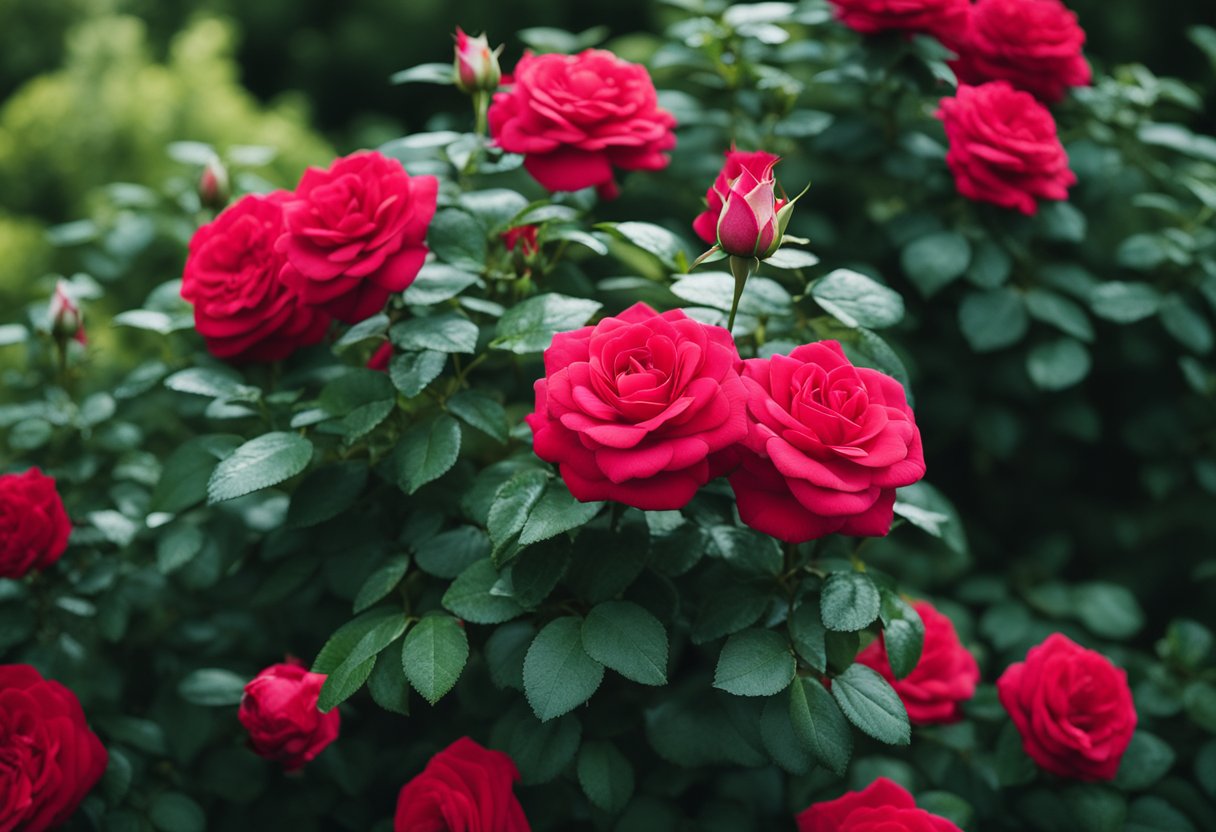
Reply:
x=49 y=759
x=757 y=162
x=464 y=788
x=1033 y=44
x=947 y=19
x=944 y=678
x=34 y=526
x=356 y=233
x=241 y=308
x=882 y=806
x=1004 y=148
x=524 y=237
x=381 y=357
x=576 y=117
x=279 y=710
x=1072 y=707
x=827 y=445
x=632 y=407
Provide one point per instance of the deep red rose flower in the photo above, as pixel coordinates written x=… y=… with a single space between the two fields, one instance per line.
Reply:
x=241 y=308
x=279 y=710
x=946 y=19
x=633 y=407
x=1072 y=707
x=1004 y=148
x=464 y=788
x=356 y=233
x=1033 y=44
x=523 y=237
x=576 y=117
x=882 y=806
x=944 y=678
x=827 y=445
x=381 y=357
x=49 y=759
x=34 y=527
x=757 y=162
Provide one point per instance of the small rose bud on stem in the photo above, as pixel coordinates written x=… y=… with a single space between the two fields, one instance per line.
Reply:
x=213 y=188
x=476 y=72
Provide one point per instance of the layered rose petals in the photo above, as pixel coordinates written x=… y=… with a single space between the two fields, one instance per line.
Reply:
x=632 y=408
x=279 y=710
x=747 y=225
x=828 y=443
x=757 y=162
x=464 y=788
x=34 y=527
x=356 y=233
x=1004 y=148
x=1033 y=44
x=232 y=276
x=882 y=806
x=946 y=19
x=577 y=117
x=1072 y=707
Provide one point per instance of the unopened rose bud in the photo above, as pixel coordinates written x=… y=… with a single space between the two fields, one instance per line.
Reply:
x=213 y=190
x=476 y=66
x=523 y=238
x=748 y=225
x=64 y=316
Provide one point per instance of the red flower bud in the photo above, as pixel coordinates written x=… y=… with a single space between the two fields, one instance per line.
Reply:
x=747 y=226
x=64 y=316
x=522 y=237
x=213 y=189
x=476 y=65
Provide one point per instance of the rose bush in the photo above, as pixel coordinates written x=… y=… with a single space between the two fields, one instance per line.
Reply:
x=577 y=525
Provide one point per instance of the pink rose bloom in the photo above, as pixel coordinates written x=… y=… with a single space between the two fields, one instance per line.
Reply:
x=279 y=710
x=737 y=161
x=946 y=19
x=882 y=806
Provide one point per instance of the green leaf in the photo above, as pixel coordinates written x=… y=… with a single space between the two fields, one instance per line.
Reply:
x=427 y=452
x=820 y=726
x=494 y=207
x=213 y=687
x=791 y=258
x=537 y=571
x=1199 y=698
x=856 y=300
x=185 y=474
x=605 y=775
x=434 y=655
x=935 y=260
x=747 y=549
x=626 y=638
x=1095 y=808
x=729 y=611
x=469 y=597
x=175 y=812
x=763 y=297
x=449 y=332
x=651 y=238
x=755 y=663
x=1061 y=221
x=1057 y=364
x=849 y=601
x=542 y=750
x=695 y=729
x=449 y=553
x=349 y=655
x=903 y=634
x=1124 y=303
x=1055 y=309
x=425 y=74
x=1187 y=326
x=779 y=738
x=505 y=650
x=326 y=492
x=411 y=372
x=993 y=319
x=1148 y=758
x=458 y=239
x=512 y=504
x=530 y=326
x=558 y=674
x=387 y=684
x=606 y=565
x=1108 y=610
x=990 y=266
x=259 y=463
x=381 y=582
x=438 y=282
x=212 y=383
x=481 y=412
x=807 y=634
x=556 y=512
x=1152 y=814
x=872 y=705
x=925 y=507
x=176 y=546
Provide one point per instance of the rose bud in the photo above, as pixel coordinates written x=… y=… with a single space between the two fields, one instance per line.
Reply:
x=476 y=66
x=213 y=188
x=279 y=710
x=64 y=316
x=747 y=226
x=34 y=525
x=523 y=238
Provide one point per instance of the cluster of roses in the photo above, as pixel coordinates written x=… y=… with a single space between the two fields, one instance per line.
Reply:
x=1004 y=148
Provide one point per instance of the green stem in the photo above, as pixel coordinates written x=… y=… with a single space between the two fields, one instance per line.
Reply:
x=742 y=268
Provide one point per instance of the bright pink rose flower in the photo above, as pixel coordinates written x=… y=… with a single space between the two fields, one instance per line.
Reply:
x=1072 y=707
x=1033 y=44
x=944 y=678
x=241 y=307
x=633 y=407
x=882 y=806
x=737 y=161
x=356 y=233
x=747 y=225
x=828 y=443
x=34 y=527
x=279 y=710
x=576 y=117
x=945 y=19
x=464 y=788
x=1004 y=148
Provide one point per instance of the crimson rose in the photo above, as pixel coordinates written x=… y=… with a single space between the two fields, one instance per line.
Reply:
x=1004 y=148
x=882 y=806
x=1072 y=707
x=943 y=679
x=947 y=19
x=49 y=759
x=576 y=117
x=279 y=710
x=758 y=162
x=827 y=445
x=356 y=233
x=1033 y=44
x=241 y=308
x=34 y=526
x=464 y=788
x=632 y=408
